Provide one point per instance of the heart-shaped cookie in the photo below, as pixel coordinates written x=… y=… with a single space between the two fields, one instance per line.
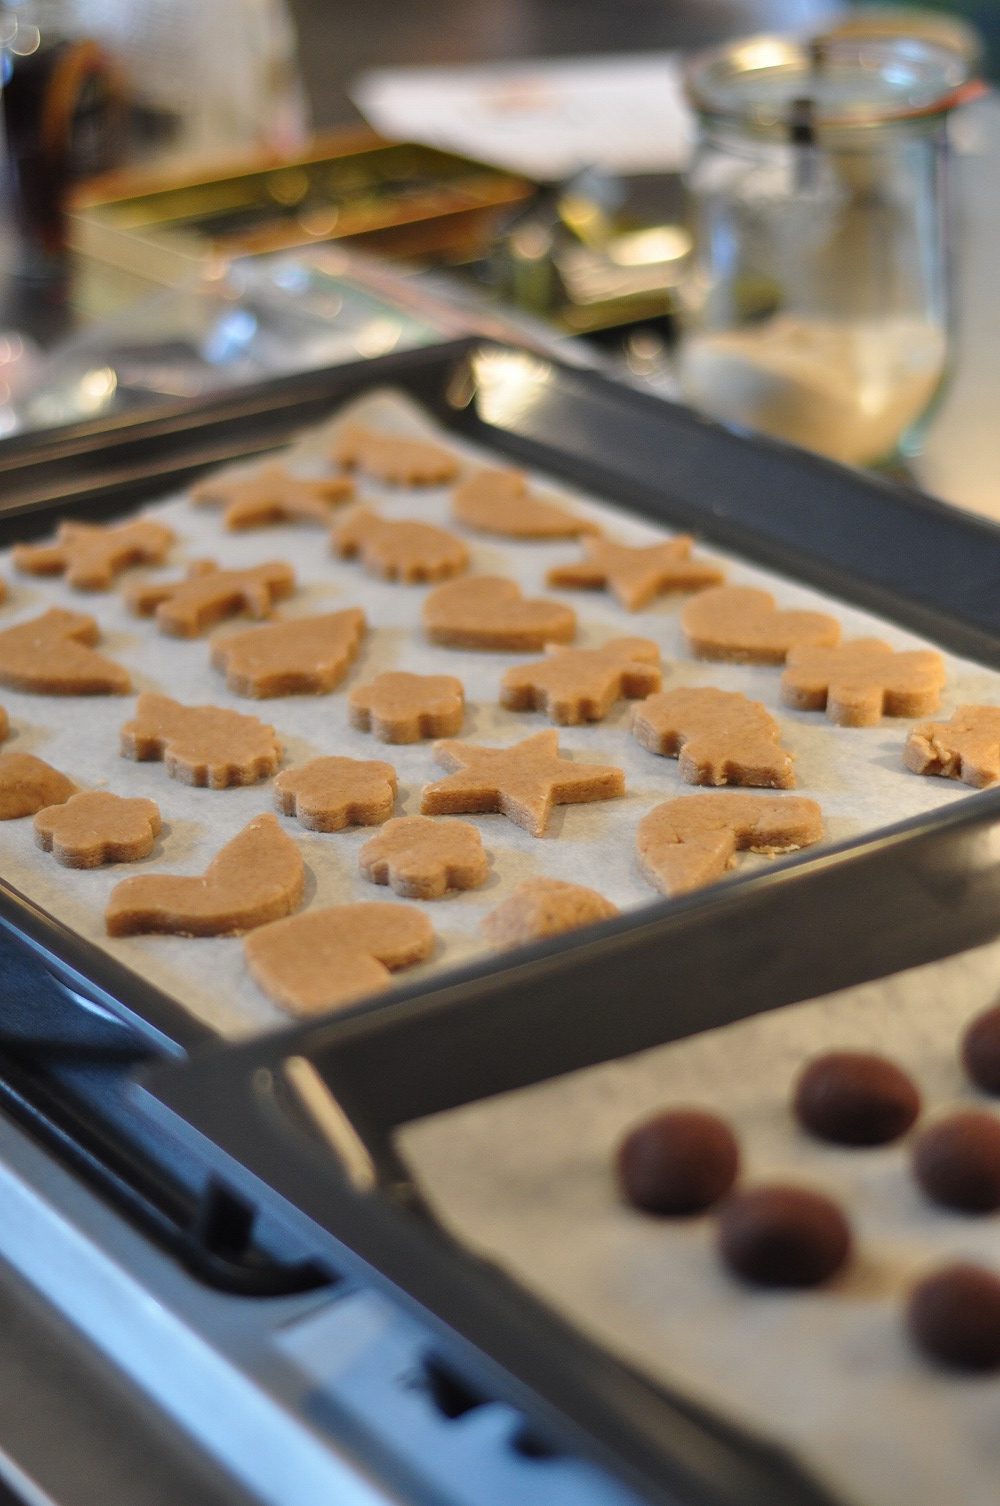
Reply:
x=257 y=877
x=742 y=624
x=489 y=612
x=333 y=956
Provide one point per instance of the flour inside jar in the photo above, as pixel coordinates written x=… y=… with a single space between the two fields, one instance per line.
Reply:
x=846 y=390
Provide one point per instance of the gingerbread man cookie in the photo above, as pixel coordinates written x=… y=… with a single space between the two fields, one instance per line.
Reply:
x=90 y=555
x=28 y=784
x=308 y=654
x=270 y=494
x=691 y=841
x=97 y=827
x=399 y=550
x=201 y=745
x=53 y=655
x=718 y=736
x=635 y=576
x=331 y=957
x=542 y=907
x=742 y=624
x=403 y=708
x=522 y=782
x=966 y=748
x=185 y=608
x=862 y=681
x=498 y=501
x=421 y=858
x=327 y=794
x=394 y=457
x=257 y=877
x=576 y=685
x=489 y=612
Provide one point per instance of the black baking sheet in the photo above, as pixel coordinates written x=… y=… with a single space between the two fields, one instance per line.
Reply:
x=819 y=522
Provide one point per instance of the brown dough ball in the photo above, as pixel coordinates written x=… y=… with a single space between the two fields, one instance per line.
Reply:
x=954 y=1316
x=855 y=1098
x=957 y=1162
x=981 y=1050
x=783 y=1236
x=679 y=1161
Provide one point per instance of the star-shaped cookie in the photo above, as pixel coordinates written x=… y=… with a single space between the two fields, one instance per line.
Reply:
x=272 y=494
x=635 y=575
x=522 y=782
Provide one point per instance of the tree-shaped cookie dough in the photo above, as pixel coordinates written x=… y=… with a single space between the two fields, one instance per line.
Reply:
x=53 y=655
x=306 y=654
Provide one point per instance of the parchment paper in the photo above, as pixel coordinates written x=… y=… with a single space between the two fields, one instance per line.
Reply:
x=525 y=1178
x=857 y=774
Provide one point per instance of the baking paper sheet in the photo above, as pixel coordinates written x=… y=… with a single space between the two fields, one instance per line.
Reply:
x=525 y=1178
x=856 y=774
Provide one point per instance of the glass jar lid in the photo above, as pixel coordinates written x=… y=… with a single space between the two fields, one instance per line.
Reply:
x=760 y=83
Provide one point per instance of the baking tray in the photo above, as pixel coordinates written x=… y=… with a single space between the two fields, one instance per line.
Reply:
x=818 y=522
x=917 y=892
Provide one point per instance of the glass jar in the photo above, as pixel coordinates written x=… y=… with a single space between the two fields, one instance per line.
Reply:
x=818 y=306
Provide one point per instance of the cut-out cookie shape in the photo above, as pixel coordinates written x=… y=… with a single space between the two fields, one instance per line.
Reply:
x=718 y=737
x=543 y=907
x=498 y=501
x=862 y=681
x=399 y=549
x=327 y=794
x=404 y=708
x=306 y=655
x=966 y=748
x=252 y=499
x=742 y=624
x=5 y=725
x=97 y=827
x=691 y=841
x=635 y=576
x=201 y=745
x=576 y=685
x=185 y=608
x=257 y=877
x=53 y=655
x=90 y=555
x=28 y=784
x=330 y=957
x=489 y=612
x=421 y=858
x=522 y=782
x=394 y=457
